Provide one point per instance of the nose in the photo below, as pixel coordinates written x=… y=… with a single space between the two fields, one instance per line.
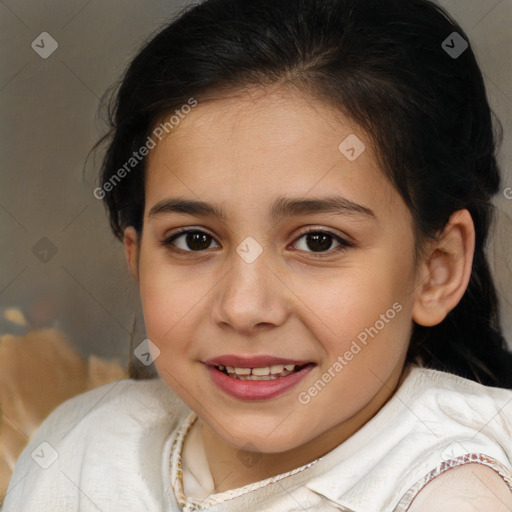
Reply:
x=251 y=297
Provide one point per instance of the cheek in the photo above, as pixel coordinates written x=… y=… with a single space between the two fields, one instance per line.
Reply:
x=159 y=313
x=164 y=299
x=165 y=314
x=367 y=306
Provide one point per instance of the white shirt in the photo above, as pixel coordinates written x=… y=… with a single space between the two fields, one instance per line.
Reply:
x=118 y=448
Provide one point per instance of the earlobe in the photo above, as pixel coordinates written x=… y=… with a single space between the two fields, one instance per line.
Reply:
x=445 y=271
x=131 y=251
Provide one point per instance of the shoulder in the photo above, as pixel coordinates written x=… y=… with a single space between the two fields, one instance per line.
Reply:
x=420 y=379
x=462 y=431
x=120 y=407
x=467 y=488
x=457 y=399
x=458 y=415
x=109 y=405
x=453 y=414
x=100 y=440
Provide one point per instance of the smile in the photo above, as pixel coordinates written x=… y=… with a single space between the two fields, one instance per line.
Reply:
x=273 y=372
x=256 y=377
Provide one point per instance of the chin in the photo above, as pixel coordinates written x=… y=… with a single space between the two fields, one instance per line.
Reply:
x=247 y=437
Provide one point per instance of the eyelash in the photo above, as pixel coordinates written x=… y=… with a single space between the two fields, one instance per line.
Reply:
x=344 y=244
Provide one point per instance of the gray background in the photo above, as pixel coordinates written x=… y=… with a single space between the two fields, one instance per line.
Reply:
x=49 y=124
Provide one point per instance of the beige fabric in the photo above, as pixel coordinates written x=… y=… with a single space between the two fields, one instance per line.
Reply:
x=38 y=371
x=197 y=478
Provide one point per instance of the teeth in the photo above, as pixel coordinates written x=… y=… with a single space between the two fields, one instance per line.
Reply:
x=261 y=371
x=262 y=377
x=242 y=371
x=275 y=371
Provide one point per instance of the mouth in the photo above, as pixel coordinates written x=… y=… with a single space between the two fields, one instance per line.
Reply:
x=257 y=377
x=272 y=372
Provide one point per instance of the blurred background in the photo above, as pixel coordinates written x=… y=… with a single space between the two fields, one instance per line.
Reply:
x=61 y=267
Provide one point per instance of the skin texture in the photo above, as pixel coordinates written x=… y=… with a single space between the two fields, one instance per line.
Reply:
x=468 y=488
x=242 y=152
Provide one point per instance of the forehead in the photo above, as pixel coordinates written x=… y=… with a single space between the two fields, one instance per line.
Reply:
x=261 y=144
x=275 y=118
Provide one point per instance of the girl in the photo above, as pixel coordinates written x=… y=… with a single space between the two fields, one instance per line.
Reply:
x=303 y=192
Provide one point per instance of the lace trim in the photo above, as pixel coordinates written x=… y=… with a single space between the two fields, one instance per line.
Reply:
x=468 y=458
x=176 y=474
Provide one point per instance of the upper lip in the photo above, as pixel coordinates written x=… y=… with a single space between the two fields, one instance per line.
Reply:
x=252 y=361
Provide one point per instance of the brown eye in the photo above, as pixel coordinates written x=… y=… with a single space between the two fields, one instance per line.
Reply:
x=317 y=241
x=190 y=241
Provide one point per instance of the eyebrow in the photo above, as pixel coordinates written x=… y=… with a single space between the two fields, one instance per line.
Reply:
x=280 y=207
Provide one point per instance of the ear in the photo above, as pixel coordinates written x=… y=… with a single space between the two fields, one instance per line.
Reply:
x=445 y=271
x=131 y=251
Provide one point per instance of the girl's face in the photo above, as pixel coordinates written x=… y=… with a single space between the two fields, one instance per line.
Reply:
x=255 y=284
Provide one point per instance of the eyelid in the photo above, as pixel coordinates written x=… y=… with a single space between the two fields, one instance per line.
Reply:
x=343 y=241
x=167 y=239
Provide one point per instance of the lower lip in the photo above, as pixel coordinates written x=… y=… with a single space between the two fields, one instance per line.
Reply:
x=256 y=389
